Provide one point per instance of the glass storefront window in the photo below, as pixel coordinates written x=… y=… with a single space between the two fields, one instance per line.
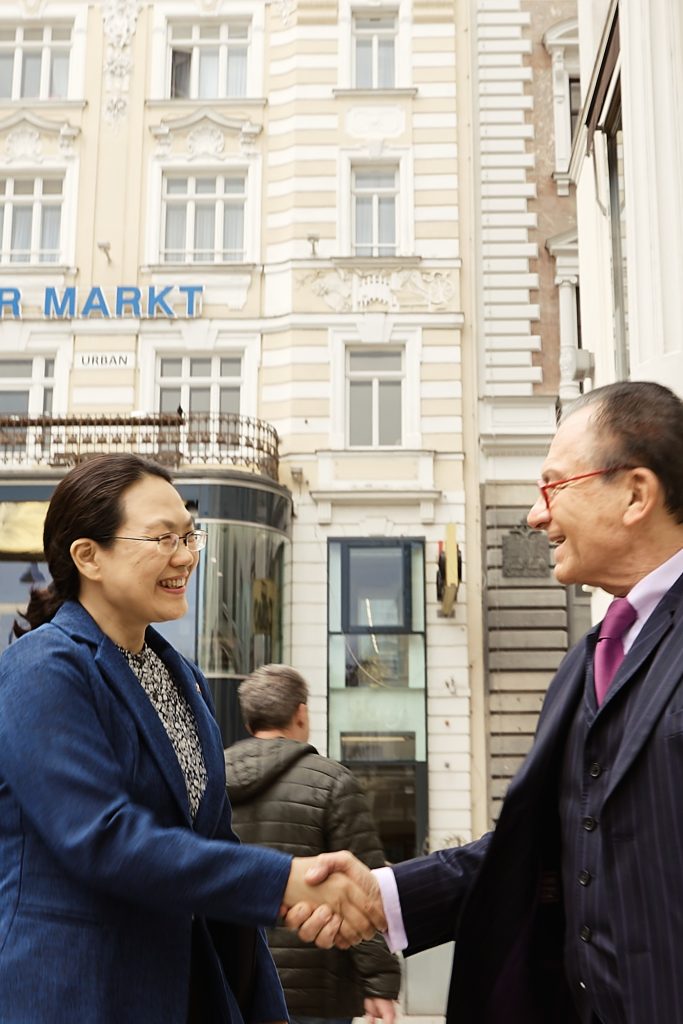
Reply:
x=16 y=580
x=376 y=673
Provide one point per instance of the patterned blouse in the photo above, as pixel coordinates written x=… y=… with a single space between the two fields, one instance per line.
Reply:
x=176 y=717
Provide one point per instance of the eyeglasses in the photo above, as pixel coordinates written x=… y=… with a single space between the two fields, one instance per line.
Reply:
x=168 y=543
x=549 y=490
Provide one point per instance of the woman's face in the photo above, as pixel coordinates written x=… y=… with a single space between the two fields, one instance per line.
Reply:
x=137 y=583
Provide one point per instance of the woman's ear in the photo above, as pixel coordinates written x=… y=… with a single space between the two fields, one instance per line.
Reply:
x=85 y=554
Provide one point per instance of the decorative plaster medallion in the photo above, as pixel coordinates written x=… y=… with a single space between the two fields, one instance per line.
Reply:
x=119 y=20
x=24 y=144
x=205 y=141
x=375 y=122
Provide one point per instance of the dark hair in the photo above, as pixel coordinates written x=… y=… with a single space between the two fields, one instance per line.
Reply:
x=86 y=503
x=639 y=423
x=270 y=696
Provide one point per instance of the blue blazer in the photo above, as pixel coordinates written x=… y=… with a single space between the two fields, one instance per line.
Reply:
x=493 y=895
x=104 y=878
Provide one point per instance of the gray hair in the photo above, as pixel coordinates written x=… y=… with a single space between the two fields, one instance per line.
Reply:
x=639 y=423
x=270 y=696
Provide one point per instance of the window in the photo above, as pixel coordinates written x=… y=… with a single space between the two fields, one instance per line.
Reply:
x=574 y=103
x=34 y=62
x=614 y=136
x=26 y=390
x=374 y=209
x=209 y=61
x=30 y=219
x=26 y=386
x=203 y=218
x=376 y=666
x=200 y=385
x=375 y=387
x=374 y=49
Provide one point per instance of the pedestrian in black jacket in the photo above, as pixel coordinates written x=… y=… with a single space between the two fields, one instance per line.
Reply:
x=285 y=795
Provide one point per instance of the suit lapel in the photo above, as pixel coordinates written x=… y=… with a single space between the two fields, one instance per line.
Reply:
x=658 y=683
x=123 y=681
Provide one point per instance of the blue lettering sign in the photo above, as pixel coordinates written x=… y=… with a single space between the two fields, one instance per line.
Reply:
x=154 y=300
x=11 y=298
x=128 y=297
x=191 y=290
x=53 y=307
x=96 y=303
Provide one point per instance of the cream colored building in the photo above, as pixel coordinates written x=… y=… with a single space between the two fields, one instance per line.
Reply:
x=350 y=222
x=626 y=163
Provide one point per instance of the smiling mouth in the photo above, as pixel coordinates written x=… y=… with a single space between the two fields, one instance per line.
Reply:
x=173 y=584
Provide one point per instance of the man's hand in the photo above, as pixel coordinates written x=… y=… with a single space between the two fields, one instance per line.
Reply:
x=337 y=902
x=379 y=1009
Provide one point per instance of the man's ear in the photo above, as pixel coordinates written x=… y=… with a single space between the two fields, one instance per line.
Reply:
x=646 y=495
x=85 y=553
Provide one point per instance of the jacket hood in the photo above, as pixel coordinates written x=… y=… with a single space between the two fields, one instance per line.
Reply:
x=253 y=765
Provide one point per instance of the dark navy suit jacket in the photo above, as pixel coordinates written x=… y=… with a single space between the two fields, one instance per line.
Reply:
x=500 y=897
x=104 y=877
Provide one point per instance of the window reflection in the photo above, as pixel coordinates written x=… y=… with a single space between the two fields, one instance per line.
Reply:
x=16 y=580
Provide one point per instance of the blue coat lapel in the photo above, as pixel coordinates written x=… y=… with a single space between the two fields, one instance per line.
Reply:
x=194 y=688
x=114 y=668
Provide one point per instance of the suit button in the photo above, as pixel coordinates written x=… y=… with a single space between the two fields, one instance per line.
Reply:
x=584 y=877
x=595 y=770
x=585 y=933
x=589 y=823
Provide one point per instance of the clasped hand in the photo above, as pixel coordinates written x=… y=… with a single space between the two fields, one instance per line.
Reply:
x=333 y=900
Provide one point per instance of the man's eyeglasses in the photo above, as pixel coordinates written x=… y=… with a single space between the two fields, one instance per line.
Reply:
x=550 y=490
x=168 y=543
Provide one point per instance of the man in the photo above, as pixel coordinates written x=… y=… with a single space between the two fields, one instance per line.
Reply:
x=572 y=909
x=285 y=795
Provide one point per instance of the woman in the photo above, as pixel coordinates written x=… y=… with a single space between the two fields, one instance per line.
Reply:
x=125 y=897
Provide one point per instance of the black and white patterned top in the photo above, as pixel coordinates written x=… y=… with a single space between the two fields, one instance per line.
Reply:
x=176 y=717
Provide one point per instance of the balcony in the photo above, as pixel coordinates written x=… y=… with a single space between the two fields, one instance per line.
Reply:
x=176 y=441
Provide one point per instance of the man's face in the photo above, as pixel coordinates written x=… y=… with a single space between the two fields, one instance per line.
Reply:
x=585 y=518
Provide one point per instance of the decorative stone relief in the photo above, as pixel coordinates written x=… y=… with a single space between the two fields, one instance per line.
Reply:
x=357 y=291
x=24 y=144
x=205 y=141
x=375 y=122
x=285 y=10
x=526 y=553
x=32 y=7
x=119 y=20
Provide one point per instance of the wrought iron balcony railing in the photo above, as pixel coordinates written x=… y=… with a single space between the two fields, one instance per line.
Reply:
x=175 y=440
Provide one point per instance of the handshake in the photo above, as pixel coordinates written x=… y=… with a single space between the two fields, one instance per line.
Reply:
x=333 y=900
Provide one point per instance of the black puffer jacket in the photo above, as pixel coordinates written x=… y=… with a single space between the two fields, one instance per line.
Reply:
x=285 y=795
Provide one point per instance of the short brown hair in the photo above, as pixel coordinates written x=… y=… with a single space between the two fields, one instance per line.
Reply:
x=270 y=696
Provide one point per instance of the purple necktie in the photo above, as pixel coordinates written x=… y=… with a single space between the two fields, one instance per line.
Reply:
x=609 y=651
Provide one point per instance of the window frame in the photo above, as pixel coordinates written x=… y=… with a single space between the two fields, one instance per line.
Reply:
x=408 y=338
x=359 y=33
x=376 y=377
x=376 y=193
x=400 y=158
x=12 y=200
x=191 y=201
x=194 y=46
x=46 y=46
x=214 y=381
x=562 y=43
